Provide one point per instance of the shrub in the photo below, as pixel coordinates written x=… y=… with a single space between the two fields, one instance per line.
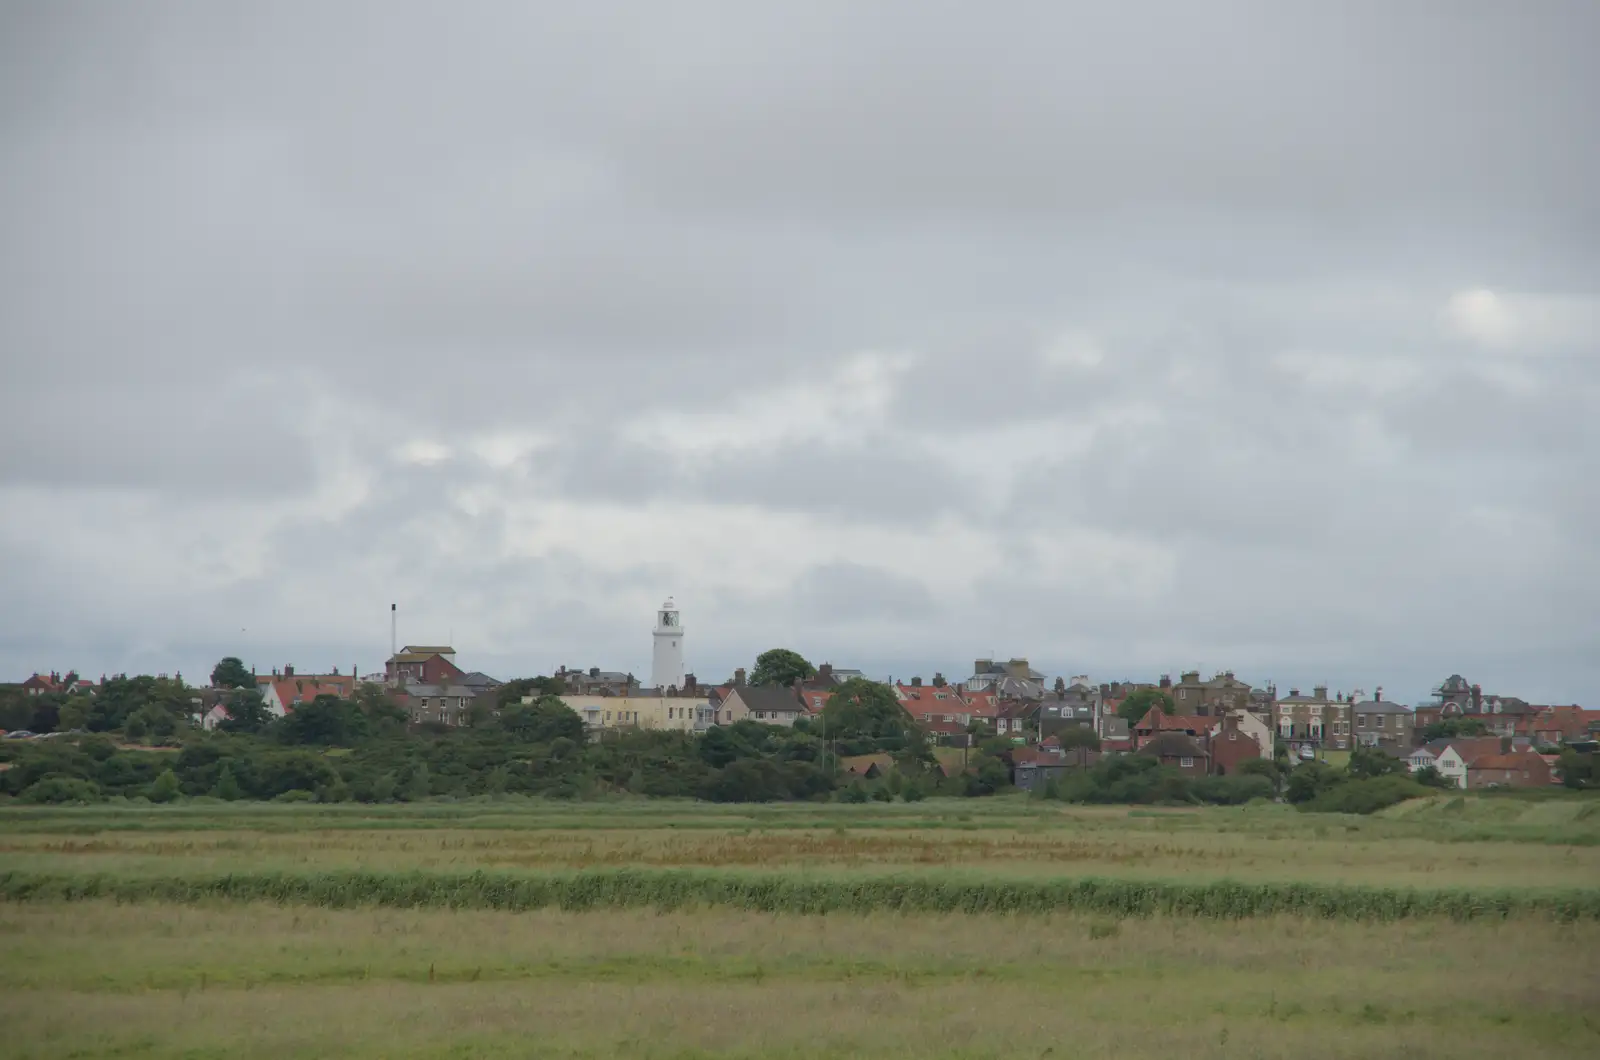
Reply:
x=296 y=795
x=60 y=790
x=165 y=788
x=1365 y=796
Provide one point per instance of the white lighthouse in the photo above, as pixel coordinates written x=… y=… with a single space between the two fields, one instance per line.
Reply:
x=666 y=670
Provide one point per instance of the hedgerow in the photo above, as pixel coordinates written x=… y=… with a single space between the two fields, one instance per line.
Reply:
x=674 y=889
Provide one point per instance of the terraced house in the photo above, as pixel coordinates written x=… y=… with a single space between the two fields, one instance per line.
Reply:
x=1313 y=721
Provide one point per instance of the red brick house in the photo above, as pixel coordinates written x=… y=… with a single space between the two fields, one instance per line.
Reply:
x=423 y=665
x=39 y=684
x=1519 y=769
x=1180 y=751
x=1229 y=747
x=1559 y=725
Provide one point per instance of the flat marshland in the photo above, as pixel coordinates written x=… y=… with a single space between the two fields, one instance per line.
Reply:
x=405 y=972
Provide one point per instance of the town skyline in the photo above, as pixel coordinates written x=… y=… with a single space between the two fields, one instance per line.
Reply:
x=1399 y=684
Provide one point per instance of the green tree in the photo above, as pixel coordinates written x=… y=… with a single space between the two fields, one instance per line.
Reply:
x=419 y=786
x=1430 y=777
x=1369 y=762
x=862 y=710
x=1578 y=771
x=247 y=711
x=780 y=666
x=1449 y=728
x=1138 y=704
x=326 y=720
x=383 y=787
x=545 y=720
x=1078 y=736
x=165 y=788
x=74 y=713
x=227 y=784
x=231 y=673
x=513 y=691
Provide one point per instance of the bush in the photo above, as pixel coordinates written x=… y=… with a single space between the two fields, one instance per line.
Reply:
x=296 y=795
x=1365 y=795
x=57 y=790
x=165 y=788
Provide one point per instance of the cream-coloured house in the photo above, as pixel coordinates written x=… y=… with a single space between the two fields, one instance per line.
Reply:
x=642 y=712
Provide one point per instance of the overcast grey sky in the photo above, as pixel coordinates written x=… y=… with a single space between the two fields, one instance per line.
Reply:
x=1130 y=337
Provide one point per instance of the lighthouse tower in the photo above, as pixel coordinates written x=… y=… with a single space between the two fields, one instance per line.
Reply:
x=666 y=669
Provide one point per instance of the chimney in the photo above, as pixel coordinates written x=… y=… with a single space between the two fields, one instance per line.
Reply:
x=916 y=682
x=1166 y=681
x=825 y=671
x=594 y=671
x=1477 y=699
x=1320 y=692
x=738 y=677
x=288 y=671
x=1377 y=697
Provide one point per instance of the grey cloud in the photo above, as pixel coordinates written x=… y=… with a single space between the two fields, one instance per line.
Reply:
x=847 y=594
x=251 y=251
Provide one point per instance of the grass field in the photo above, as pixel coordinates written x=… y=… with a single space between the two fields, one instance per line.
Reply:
x=205 y=976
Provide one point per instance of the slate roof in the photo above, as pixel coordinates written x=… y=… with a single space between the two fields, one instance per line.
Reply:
x=1172 y=745
x=770 y=697
x=1380 y=706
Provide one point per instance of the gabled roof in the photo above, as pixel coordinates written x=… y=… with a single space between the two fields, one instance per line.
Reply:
x=1172 y=745
x=1514 y=760
x=770 y=697
x=428 y=649
x=479 y=679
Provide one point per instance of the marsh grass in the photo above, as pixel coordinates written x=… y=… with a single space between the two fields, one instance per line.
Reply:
x=94 y=979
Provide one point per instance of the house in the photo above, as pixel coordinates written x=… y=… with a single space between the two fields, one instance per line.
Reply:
x=1212 y=698
x=1114 y=730
x=450 y=704
x=768 y=704
x=867 y=767
x=682 y=713
x=597 y=682
x=422 y=665
x=1157 y=721
x=1015 y=717
x=1502 y=715
x=1553 y=726
x=1230 y=745
x=1380 y=722
x=1256 y=727
x=1013 y=679
x=1313 y=721
x=1517 y=769
x=1451 y=755
x=1178 y=750
x=1073 y=704
x=1424 y=757
x=39 y=684
x=281 y=691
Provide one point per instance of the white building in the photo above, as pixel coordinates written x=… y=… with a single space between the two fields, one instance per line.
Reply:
x=666 y=668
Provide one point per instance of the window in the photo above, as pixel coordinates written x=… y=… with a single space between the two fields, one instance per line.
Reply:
x=1232 y=735
x=1183 y=693
x=1378 y=721
x=1186 y=762
x=1361 y=721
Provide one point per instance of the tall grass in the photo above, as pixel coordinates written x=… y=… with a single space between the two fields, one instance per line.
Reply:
x=771 y=893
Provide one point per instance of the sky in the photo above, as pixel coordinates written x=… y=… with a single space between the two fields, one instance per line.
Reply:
x=1126 y=337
